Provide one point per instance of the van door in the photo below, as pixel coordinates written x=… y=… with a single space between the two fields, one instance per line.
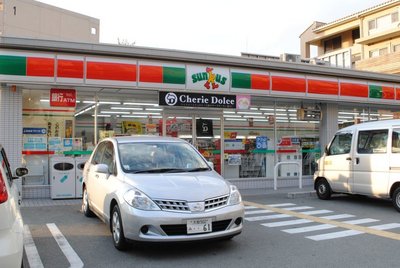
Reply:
x=336 y=163
x=394 y=162
x=371 y=162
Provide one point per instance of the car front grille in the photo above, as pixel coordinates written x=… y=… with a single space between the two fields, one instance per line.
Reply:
x=216 y=202
x=181 y=229
x=182 y=206
x=173 y=205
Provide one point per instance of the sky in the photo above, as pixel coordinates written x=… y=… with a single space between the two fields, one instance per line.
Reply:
x=229 y=27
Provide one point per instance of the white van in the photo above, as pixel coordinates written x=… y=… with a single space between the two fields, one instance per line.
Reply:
x=362 y=159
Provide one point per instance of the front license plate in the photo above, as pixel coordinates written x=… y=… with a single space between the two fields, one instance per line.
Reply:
x=199 y=226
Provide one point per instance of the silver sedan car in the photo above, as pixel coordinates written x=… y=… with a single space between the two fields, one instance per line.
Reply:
x=159 y=189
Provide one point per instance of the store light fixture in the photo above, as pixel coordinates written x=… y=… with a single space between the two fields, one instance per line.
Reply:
x=185 y=136
x=141 y=103
x=235 y=119
x=114 y=112
x=181 y=117
x=232 y=116
x=253 y=113
x=153 y=109
x=254 y=109
x=126 y=108
x=44 y=100
x=211 y=118
x=260 y=120
x=102 y=115
x=134 y=116
x=229 y=112
x=266 y=109
x=144 y=113
x=253 y=116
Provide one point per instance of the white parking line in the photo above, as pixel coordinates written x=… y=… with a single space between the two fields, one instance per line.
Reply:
x=338 y=216
x=31 y=250
x=250 y=207
x=252 y=212
x=334 y=235
x=65 y=247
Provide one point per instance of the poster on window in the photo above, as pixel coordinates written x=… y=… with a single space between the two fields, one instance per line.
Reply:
x=204 y=128
x=131 y=127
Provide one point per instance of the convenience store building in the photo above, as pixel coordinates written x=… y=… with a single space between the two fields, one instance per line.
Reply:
x=60 y=98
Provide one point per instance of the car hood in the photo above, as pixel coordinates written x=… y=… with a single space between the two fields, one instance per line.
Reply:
x=196 y=186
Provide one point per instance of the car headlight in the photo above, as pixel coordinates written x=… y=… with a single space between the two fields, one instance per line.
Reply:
x=235 y=197
x=139 y=200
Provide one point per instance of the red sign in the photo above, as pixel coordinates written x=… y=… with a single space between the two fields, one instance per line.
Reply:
x=62 y=97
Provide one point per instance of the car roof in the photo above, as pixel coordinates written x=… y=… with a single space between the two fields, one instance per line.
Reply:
x=144 y=138
x=373 y=125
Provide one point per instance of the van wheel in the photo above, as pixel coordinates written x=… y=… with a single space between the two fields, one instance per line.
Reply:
x=117 y=229
x=323 y=189
x=396 y=199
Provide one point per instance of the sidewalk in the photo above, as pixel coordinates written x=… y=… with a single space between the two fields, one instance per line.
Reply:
x=288 y=192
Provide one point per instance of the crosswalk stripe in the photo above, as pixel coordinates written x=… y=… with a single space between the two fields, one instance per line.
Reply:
x=65 y=247
x=270 y=217
x=316 y=212
x=281 y=205
x=334 y=235
x=320 y=227
x=250 y=207
x=285 y=223
x=30 y=250
x=252 y=212
x=338 y=216
x=297 y=208
x=386 y=226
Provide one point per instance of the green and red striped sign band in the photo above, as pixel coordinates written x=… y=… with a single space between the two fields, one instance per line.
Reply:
x=111 y=71
x=26 y=66
x=250 y=81
x=381 y=92
x=162 y=74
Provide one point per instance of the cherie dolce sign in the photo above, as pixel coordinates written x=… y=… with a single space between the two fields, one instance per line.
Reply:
x=196 y=100
x=62 y=97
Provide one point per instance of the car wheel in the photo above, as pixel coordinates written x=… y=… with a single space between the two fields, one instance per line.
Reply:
x=396 y=199
x=323 y=189
x=85 y=204
x=117 y=229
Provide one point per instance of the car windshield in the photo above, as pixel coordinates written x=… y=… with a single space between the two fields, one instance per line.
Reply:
x=160 y=157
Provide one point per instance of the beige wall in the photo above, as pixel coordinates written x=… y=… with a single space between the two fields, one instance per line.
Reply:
x=32 y=19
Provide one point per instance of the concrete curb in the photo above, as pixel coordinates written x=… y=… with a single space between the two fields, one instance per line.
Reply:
x=293 y=195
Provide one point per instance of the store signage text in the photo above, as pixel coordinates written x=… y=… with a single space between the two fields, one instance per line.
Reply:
x=196 y=100
x=62 y=97
x=34 y=130
x=212 y=80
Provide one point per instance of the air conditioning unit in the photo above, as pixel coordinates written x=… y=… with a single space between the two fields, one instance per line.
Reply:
x=290 y=57
x=316 y=61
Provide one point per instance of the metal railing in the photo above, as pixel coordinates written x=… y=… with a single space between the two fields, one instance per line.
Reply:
x=287 y=163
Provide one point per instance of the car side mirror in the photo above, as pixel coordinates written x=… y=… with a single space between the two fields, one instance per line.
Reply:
x=101 y=168
x=211 y=164
x=326 y=149
x=20 y=172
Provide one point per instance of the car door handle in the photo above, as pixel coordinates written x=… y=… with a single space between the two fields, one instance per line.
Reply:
x=348 y=158
x=97 y=176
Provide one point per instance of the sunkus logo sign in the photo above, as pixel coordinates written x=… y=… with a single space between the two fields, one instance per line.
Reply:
x=196 y=100
x=208 y=78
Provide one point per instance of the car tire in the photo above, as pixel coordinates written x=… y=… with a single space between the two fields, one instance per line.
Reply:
x=117 y=229
x=323 y=189
x=85 y=204
x=396 y=199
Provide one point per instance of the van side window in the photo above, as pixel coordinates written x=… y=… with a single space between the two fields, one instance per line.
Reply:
x=372 y=141
x=341 y=144
x=396 y=140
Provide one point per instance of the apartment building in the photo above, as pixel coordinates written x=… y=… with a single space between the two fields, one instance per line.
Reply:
x=368 y=40
x=33 y=19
